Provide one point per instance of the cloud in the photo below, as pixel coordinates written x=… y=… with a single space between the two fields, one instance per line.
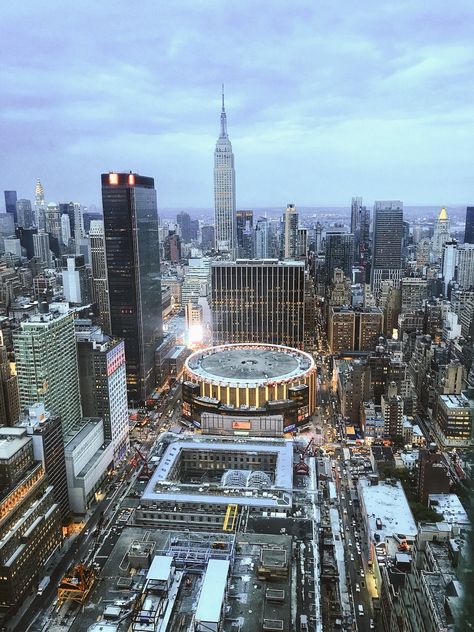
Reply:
x=324 y=99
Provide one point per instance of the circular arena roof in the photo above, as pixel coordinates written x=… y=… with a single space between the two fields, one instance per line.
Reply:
x=248 y=364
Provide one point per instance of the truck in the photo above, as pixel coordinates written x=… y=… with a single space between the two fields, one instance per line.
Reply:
x=43 y=583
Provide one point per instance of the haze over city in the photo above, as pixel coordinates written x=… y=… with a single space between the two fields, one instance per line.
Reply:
x=324 y=100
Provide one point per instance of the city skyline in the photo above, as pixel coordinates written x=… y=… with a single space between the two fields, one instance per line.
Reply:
x=381 y=98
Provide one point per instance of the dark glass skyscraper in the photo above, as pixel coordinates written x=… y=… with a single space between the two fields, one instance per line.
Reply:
x=469 y=229
x=387 y=244
x=10 y=203
x=133 y=267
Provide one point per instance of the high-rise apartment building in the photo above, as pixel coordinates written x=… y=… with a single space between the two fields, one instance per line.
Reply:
x=100 y=285
x=30 y=529
x=354 y=329
x=259 y=301
x=46 y=363
x=172 y=247
x=290 y=233
x=224 y=190
x=387 y=244
x=24 y=213
x=414 y=293
x=392 y=412
x=10 y=203
x=9 y=398
x=339 y=251
x=469 y=227
x=245 y=244
x=103 y=383
x=133 y=270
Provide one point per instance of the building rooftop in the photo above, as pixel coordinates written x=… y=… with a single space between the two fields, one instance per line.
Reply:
x=450 y=507
x=212 y=592
x=12 y=440
x=249 y=364
x=388 y=504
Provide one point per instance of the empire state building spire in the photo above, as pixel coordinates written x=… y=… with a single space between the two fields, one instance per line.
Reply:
x=224 y=189
x=223 y=118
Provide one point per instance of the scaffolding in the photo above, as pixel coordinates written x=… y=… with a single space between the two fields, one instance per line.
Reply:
x=230 y=518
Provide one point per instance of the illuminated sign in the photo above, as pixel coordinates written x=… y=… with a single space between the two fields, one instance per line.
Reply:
x=241 y=425
x=113 y=178
x=131 y=179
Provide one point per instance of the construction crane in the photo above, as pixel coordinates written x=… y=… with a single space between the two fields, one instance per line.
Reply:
x=76 y=584
x=302 y=467
x=145 y=472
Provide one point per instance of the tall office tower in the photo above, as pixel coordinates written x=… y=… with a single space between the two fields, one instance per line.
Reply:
x=79 y=231
x=448 y=263
x=52 y=220
x=441 y=233
x=44 y=428
x=465 y=266
x=24 y=214
x=67 y=208
x=356 y=207
x=290 y=233
x=100 y=284
x=9 y=399
x=10 y=203
x=41 y=248
x=46 y=363
x=194 y=228
x=318 y=237
x=339 y=252
x=224 y=189
x=392 y=412
x=133 y=270
x=258 y=301
x=302 y=243
x=65 y=229
x=245 y=247
x=30 y=529
x=40 y=206
x=103 y=382
x=262 y=238
x=387 y=244
x=469 y=227
x=183 y=220
x=75 y=280
x=172 y=247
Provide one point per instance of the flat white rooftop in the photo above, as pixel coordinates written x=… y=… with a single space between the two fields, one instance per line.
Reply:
x=212 y=593
x=389 y=504
x=160 y=568
x=450 y=507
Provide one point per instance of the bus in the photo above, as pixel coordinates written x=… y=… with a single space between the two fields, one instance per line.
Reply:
x=42 y=585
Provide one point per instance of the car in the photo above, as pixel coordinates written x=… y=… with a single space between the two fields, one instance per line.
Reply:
x=349 y=543
x=371 y=624
x=357 y=588
x=345 y=511
x=362 y=574
x=352 y=557
x=360 y=610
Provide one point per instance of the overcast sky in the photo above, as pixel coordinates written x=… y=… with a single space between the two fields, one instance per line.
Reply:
x=325 y=100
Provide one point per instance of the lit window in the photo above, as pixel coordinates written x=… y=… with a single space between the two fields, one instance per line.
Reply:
x=113 y=178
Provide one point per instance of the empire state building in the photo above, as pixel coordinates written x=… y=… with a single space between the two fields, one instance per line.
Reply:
x=224 y=190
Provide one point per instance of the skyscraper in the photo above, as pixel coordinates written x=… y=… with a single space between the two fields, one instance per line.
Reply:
x=441 y=233
x=46 y=363
x=133 y=270
x=339 y=250
x=24 y=213
x=183 y=220
x=387 y=244
x=75 y=279
x=262 y=238
x=9 y=400
x=245 y=234
x=258 y=301
x=290 y=232
x=39 y=205
x=10 y=203
x=104 y=384
x=41 y=248
x=469 y=228
x=100 y=285
x=224 y=189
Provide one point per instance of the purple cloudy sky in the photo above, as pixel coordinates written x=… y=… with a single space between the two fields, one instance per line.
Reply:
x=325 y=99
